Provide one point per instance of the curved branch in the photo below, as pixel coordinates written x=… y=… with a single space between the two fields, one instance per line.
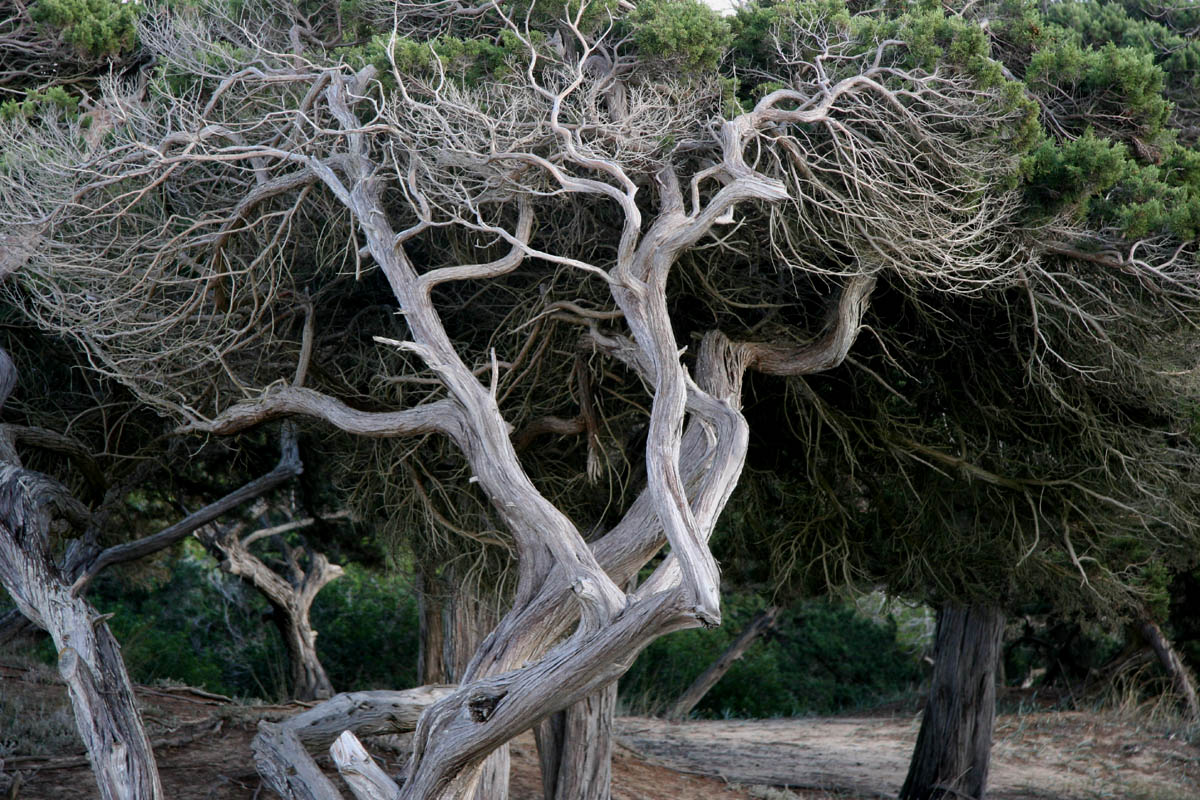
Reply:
x=442 y=416
x=827 y=352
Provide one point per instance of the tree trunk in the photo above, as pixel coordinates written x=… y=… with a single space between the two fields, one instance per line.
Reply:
x=309 y=681
x=575 y=748
x=430 y=666
x=762 y=622
x=953 y=747
x=1181 y=680
x=456 y=615
x=291 y=600
x=89 y=658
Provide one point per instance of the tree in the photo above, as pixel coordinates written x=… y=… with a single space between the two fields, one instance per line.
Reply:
x=89 y=657
x=276 y=225
x=290 y=594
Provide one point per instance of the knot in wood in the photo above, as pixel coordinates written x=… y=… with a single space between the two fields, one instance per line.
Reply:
x=483 y=704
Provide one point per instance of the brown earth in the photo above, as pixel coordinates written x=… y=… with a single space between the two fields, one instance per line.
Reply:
x=202 y=745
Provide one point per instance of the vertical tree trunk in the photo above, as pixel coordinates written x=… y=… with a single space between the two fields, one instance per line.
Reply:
x=954 y=745
x=456 y=615
x=309 y=681
x=1181 y=681
x=762 y=622
x=575 y=748
x=430 y=666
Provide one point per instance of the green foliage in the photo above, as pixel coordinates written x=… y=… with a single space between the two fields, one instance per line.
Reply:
x=96 y=28
x=933 y=39
x=368 y=634
x=466 y=60
x=1112 y=81
x=204 y=628
x=923 y=38
x=1108 y=79
x=824 y=658
x=1058 y=176
x=1152 y=200
x=685 y=31
x=35 y=103
x=1095 y=24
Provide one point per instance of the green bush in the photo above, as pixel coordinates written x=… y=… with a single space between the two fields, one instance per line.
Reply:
x=205 y=628
x=823 y=658
x=95 y=28
x=367 y=630
x=687 y=31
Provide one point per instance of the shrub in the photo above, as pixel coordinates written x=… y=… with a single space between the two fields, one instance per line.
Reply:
x=823 y=658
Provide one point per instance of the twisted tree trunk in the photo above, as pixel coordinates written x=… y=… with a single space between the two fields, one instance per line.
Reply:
x=696 y=435
x=954 y=745
x=291 y=601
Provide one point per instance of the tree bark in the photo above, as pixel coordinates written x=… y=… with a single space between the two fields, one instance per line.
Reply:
x=364 y=777
x=431 y=667
x=954 y=745
x=83 y=562
x=575 y=747
x=281 y=750
x=1181 y=680
x=762 y=622
x=455 y=617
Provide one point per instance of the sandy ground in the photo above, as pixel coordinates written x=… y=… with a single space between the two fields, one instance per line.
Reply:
x=1062 y=755
x=202 y=746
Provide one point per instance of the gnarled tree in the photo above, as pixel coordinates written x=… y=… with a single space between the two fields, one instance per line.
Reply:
x=268 y=215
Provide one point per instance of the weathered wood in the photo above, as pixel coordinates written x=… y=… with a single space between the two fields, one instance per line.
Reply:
x=288 y=468
x=365 y=713
x=762 y=622
x=525 y=671
x=575 y=748
x=951 y=758
x=364 y=777
x=1181 y=679
x=106 y=714
x=280 y=747
x=290 y=597
x=286 y=766
x=90 y=661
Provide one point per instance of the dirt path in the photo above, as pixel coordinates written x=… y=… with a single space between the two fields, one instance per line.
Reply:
x=1064 y=755
x=202 y=745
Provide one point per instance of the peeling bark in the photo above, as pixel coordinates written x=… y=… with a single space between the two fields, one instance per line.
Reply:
x=287 y=767
x=90 y=661
x=364 y=777
x=281 y=750
x=575 y=748
x=696 y=442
